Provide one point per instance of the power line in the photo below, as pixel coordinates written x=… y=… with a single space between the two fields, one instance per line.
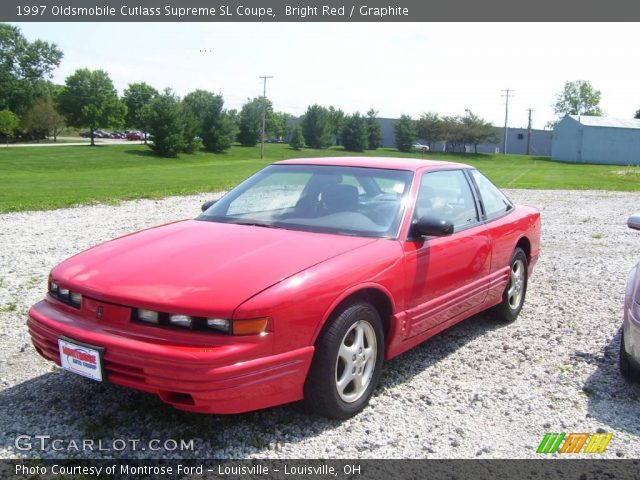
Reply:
x=264 y=110
x=507 y=94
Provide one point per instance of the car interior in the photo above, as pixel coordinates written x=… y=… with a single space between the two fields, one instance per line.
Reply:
x=341 y=203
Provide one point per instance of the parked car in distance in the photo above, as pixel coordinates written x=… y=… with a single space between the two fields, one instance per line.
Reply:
x=295 y=285
x=116 y=135
x=421 y=148
x=630 y=337
x=135 y=136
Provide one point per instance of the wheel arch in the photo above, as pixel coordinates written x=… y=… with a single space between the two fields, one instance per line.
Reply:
x=525 y=245
x=373 y=293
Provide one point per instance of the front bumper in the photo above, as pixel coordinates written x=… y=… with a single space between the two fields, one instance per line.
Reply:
x=631 y=323
x=631 y=329
x=224 y=379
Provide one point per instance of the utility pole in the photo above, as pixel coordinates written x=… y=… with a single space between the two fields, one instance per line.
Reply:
x=529 y=131
x=507 y=94
x=264 y=110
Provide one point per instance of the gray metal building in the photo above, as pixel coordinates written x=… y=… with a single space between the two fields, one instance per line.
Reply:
x=516 y=140
x=586 y=139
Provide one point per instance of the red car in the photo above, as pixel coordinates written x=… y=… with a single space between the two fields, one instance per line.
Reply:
x=135 y=136
x=293 y=286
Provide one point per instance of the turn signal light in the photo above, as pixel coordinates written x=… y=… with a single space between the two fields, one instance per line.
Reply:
x=254 y=326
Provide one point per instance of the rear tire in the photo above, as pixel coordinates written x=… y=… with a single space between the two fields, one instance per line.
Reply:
x=514 y=293
x=347 y=362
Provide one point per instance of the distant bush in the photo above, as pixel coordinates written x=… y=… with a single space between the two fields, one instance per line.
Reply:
x=316 y=127
x=297 y=138
x=165 y=119
x=405 y=133
x=354 y=133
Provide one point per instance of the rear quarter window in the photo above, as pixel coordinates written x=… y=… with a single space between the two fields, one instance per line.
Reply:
x=494 y=202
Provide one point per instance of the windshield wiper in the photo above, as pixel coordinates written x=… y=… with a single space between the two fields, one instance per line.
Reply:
x=255 y=224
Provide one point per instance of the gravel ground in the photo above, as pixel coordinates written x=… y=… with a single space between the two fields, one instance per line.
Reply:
x=477 y=390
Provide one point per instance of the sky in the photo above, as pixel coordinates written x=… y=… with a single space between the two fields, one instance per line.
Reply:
x=396 y=68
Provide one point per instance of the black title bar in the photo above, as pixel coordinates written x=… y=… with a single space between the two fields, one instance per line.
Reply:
x=354 y=469
x=318 y=11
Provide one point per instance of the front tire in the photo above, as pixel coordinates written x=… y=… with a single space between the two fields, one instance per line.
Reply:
x=627 y=369
x=347 y=362
x=514 y=294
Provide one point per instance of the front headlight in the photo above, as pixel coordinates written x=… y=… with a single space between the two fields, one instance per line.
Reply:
x=64 y=295
x=252 y=326
x=148 y=316
x=76 y=299
x=180 y=321
x=219 y=324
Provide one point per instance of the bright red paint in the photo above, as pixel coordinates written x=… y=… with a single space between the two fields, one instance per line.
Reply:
x=295 y=278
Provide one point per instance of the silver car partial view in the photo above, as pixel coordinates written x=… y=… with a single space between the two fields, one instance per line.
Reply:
x=630 y=338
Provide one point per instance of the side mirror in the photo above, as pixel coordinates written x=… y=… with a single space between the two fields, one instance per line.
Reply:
x=207 y=204
x=634 y=221
x=431 y=227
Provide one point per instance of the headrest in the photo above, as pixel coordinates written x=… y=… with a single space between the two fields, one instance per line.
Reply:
x=339 y=197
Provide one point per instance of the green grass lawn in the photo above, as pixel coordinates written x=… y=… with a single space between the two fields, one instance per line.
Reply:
x=42 y=178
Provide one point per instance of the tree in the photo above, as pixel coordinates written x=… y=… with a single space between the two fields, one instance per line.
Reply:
x=200 y=110
x=250 y=127
x=354 y=133
x=297 y=138
x=136 y=97
x=24 y=68
x=90 y=100
x=374 y=130
x=429 y=128
x=42 y=119
x=476 y=131
x=405 y=133
x=578 y=98
x=199 y=105
x=336 y=122
x=316 y=127
x=205 y=119
x=234 y=116
x=637 y=115
x=9 y=122
x=277 y=124
x=220 y=131
x=165 y=119
x=453 y=133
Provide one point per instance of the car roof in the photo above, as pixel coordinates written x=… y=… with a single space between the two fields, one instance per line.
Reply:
x=393 y=163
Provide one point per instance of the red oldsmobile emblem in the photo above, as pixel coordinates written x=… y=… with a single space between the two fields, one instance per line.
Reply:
x=99 y=312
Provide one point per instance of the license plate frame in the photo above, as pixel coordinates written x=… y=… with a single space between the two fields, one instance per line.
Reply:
x=81 y=358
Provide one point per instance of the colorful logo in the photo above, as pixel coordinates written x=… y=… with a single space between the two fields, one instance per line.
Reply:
x=573 y=443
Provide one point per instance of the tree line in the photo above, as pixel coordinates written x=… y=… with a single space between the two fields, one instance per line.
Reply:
x=32 y=106
x=320 y=127
x=455 y=131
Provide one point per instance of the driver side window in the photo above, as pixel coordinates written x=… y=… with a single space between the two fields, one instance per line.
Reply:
x=446 y=195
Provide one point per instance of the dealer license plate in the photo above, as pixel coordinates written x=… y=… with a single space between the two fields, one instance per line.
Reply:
x=80 y=358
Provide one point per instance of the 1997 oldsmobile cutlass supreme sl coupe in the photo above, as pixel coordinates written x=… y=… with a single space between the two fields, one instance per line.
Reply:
x=295 y=285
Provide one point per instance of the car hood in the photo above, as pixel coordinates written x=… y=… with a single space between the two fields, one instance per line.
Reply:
x=197 y=267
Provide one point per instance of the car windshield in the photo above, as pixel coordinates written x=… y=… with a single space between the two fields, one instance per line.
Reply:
x=318 y=198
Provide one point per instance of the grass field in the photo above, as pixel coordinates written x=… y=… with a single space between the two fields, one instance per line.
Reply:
x=42 y=178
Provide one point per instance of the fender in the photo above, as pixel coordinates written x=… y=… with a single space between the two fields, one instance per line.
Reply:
x=346 y=294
